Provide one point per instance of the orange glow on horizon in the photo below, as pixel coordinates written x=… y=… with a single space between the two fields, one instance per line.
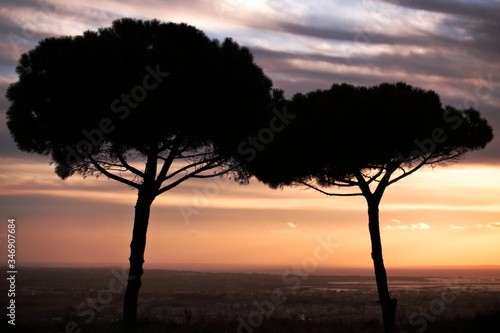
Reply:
x=434 y=217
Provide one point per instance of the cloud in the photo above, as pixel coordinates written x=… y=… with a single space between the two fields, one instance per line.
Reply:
x=292 y=228
x=420 y=225
x=445 y=46
x=457 y=227
x=396 y=221
x=477 y=24
x=416 y=226
x=463 y=9
x=491 y=225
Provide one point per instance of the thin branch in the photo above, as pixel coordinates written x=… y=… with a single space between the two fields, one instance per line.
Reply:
x=214 y=174
x=129 y=167
x=196 y=155
x=163 y=148
x=193 y=174
x=111 y=175
x=344 y=183
x=186 y=167
x=110 y=164
x=328 y=193
x=374 y=178
x=405 y=174
x=172 y=185
x=447 y=158
x=180 y=180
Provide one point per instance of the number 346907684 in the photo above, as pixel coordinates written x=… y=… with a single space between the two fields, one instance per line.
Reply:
x=11 y=239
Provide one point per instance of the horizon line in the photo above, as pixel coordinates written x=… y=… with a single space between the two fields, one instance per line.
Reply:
x=115 y=264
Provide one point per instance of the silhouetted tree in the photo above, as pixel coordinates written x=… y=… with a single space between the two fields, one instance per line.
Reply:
x=369 y=137
x=143 y=103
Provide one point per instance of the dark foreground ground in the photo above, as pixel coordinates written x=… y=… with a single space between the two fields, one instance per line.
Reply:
x=482 y=323
x=70 y=300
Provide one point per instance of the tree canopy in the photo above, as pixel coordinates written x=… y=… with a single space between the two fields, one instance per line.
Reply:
x=135 y=88
x=347 y=130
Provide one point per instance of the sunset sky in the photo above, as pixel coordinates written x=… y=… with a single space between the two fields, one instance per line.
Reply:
x=441 y=216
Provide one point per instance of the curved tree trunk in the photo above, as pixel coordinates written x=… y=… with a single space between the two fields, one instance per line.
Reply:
x=137 y=247
x=387 y=303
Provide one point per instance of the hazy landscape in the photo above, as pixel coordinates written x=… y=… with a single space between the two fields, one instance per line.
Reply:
x=69 y=299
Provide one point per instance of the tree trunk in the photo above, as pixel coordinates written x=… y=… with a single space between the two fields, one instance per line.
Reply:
x=137 y=247
x=387 y=303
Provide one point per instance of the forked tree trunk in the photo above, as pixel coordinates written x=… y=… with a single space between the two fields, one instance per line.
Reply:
x=387 y=303
x=137 y=247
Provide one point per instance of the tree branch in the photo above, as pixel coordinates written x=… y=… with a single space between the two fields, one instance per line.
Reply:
x=328 y=193
x=444 y=158
x=373 y=178
x=195 y=155
x=363 y=184
x=112 y=176
x=178 y=181
x=186 y=167
x=339 y=183
x=405 y=174
x=151 y=167
x=112 y=166
x=345 y=183
x=141 y=150
x=214 y=174
x=162 y=176
x=128 y=166
x=382 y=185
x=195 y=174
